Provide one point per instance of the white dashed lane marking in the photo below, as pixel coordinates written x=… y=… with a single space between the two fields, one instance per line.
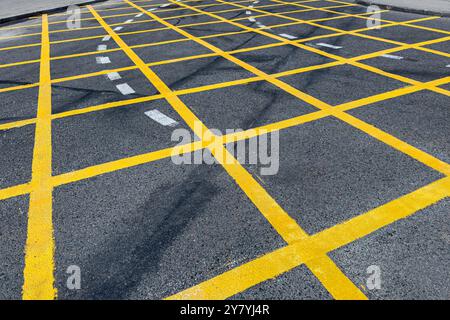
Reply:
x=102 y=60
x=125 y=89
x=106 y=38
x=321 y=44
x=114 y=76
x=129 y=20
x=102 y=47
x=118 y=28
x=288 y=36
x=161 y=118
x=391 y=56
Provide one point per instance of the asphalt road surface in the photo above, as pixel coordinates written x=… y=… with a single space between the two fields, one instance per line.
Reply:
x=93 y=204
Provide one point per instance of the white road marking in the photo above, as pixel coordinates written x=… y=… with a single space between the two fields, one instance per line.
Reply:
x=125 y=89
x=250 y=6
x=114 y=76
x=129 y=20
x=321 y=44
x=285 y=35
x=251 y=19
x=106 y=38
x=165 y=5
x=248 y=12
x=139 y=15
x=102 y=47
x=102 y=60
x=391 y=56
x=118 y=28
x=448 y=66
x=152 y=9
x=161 y=118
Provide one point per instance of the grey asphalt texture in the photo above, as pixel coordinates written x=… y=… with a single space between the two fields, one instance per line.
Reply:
x=153 y=230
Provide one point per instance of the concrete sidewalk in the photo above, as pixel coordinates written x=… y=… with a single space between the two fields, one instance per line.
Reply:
x=11 y=10
x=434 y=7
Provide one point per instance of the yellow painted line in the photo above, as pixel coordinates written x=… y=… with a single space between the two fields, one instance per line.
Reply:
x=39 y=265
x=15 y=191
x=395 y=143
x=17 y=124
x=109 y=105
x=282 y=260
x=362 y=225
x=270 y=209
x=20 y=87
x=113 y=166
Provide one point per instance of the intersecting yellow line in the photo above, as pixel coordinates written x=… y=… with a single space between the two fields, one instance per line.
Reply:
x=310 y=249
x=402 y=23
x=341 y=15
x=39 y=249
x=353 y=121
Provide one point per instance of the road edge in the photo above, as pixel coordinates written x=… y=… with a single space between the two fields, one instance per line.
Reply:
x=19 y=17
x=404 y=9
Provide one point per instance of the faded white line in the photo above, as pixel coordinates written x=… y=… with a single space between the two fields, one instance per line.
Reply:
x=165 y=5
x=114 y=76
x=139 y=15
x=161 y=118
x=118 y=28
x=102 y=47
x=106 y=38
x=321 y=44
x=125 y=89
x=102 y=60
x=391 y=56
x=152 y=9
x=285 y=35
x=129 y=20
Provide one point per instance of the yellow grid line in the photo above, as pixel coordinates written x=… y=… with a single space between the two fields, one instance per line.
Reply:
x=39 y=265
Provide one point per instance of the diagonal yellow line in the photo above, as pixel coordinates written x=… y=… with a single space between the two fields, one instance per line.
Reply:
x=39 y=265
